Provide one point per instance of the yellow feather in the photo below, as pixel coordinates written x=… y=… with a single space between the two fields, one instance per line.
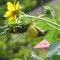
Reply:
x=32 y=32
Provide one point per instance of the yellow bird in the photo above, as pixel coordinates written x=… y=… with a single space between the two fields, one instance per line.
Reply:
x=34 y=31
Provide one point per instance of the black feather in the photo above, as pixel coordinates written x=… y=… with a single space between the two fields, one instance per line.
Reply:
x=41 y=32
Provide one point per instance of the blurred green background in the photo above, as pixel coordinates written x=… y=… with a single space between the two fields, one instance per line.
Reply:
x=17 y=45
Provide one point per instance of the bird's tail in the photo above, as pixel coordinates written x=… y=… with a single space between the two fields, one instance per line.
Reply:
x=43 y=33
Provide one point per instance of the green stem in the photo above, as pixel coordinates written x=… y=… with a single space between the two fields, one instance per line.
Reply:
x=53 y=24
x=2 y=27
x=53 y=17
x=14 y=2
x=24 y=57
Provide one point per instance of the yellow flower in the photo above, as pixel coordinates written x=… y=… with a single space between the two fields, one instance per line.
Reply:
x=12 y=11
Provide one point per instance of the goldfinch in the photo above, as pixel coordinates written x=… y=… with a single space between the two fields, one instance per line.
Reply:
x=34 y=31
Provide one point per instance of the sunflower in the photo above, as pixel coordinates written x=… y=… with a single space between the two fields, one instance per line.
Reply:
x=12 y=10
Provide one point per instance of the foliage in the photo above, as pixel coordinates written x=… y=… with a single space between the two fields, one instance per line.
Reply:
x=17 y=45
x=52 y=54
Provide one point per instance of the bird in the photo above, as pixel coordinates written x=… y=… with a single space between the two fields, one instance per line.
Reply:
x=34 y=31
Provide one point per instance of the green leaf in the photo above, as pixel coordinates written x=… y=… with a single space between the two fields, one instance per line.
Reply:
x=52 y=35
x=56 y=57
x=53 y=49
x=47 y=7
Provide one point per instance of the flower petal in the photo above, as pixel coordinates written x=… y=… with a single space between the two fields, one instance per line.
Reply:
x=17 y=6
x=10 y=6
x=8 y=13
x=12 y=18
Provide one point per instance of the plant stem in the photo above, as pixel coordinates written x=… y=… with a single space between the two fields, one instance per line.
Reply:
x=14 y=2
x=53 y=17
x=53 y=24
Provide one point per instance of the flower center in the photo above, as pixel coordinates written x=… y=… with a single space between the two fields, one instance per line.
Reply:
x=14 y=12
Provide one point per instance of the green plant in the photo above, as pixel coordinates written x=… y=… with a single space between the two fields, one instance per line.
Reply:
x=18 y=45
